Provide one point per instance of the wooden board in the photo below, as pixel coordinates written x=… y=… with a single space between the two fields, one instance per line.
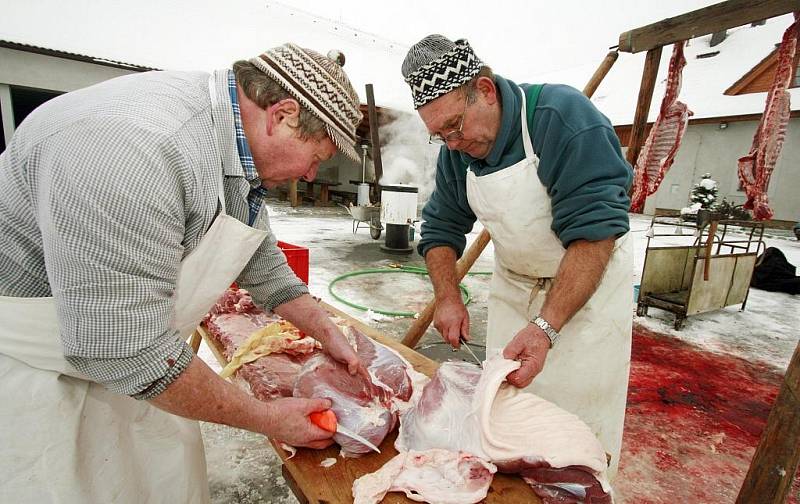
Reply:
x=314 y=484
x=665 y=269
x=703 y=21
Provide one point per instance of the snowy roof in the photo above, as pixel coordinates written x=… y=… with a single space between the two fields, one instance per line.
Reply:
x=704 y=79
x=73 y=56
x=205 y=36
x=202 y=35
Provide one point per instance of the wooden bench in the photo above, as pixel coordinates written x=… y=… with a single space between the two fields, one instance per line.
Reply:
x=343 y=196
x=291 y=192
x=324 y=190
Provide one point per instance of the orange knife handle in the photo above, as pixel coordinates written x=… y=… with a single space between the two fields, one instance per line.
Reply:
x=325 y=420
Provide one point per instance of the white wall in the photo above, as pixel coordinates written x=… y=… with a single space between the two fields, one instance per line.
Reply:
x=19 y=68
x=39 y=71
x=708 y=149
x=342 y=169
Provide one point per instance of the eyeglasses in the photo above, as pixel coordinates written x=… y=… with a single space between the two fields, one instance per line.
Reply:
x=454 y=135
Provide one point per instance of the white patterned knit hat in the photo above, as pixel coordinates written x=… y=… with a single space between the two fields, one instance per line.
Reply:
x=436 y=65
x=320 y=85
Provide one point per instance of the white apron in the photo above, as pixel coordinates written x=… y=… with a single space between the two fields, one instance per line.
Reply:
x=586 y=373
x=66 y=439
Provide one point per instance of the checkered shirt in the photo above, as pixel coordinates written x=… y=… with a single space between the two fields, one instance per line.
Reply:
x=257 y=194
x=103 y=191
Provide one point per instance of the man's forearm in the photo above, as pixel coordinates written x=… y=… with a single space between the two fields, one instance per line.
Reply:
x=441 y=263
x=199 y=394
x=578 y=276
x=308 y=316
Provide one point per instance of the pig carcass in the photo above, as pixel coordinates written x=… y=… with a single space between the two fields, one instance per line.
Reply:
x=755 y=169
x=367 y=405
x=435 y=476
x=465 y=409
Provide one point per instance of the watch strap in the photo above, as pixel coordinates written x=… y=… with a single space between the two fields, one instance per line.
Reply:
x=545 y=326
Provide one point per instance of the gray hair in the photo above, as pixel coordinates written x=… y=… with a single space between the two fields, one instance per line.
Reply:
x=470 y=87
x=265 y=92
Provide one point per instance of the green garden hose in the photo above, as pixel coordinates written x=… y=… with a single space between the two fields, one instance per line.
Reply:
x=414 y=270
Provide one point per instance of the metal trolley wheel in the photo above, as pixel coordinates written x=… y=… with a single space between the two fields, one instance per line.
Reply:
x=375 y=227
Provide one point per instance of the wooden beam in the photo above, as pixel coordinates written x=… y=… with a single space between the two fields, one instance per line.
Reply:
x=700 y=22
x=774 y=464
x=376 y=143
x=600 y=73
x=651 y=62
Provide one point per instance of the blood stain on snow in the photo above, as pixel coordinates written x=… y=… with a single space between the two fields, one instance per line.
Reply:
x=692 y=422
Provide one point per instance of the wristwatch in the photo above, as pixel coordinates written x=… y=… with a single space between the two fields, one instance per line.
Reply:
x=545 y=326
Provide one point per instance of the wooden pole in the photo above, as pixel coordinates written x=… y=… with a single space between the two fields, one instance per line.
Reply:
x=293 y=199
x=712 y=232
x=600 y=73
x=463 y=266
x=376 y=143
x=775 y=461
x=474 y=251
x=639 y=126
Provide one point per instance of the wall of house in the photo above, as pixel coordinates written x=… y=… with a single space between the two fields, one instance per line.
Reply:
x=708 y=149
x=342 y=169
x=19 y=68
x=48 y=73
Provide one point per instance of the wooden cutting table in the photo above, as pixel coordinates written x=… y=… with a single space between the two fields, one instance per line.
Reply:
x=312 y=483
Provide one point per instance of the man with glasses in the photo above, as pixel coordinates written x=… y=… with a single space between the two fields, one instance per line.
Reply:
x=541 y=168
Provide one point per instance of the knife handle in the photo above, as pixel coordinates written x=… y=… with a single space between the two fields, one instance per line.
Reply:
x=325 y=420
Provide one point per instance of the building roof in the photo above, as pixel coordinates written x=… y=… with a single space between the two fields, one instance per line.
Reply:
x=73 y=56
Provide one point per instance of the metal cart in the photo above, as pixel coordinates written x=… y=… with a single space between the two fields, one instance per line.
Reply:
x=371 y=215
x=695 y=267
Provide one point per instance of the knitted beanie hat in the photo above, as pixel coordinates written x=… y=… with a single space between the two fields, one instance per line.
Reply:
x=320 y=84
x=436 y=65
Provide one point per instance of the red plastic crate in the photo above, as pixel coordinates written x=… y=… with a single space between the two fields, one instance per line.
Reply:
x=297 y=257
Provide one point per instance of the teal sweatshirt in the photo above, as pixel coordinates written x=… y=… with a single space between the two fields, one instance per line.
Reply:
x=580 y=164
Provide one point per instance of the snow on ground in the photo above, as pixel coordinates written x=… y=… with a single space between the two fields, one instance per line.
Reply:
x=243 y=468
x=766 y=331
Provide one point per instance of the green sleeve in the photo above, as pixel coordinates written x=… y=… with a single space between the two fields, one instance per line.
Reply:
x=447 y=216
x=582 y=167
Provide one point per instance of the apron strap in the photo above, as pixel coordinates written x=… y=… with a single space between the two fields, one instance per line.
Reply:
x=212 y=92
x=527 y=119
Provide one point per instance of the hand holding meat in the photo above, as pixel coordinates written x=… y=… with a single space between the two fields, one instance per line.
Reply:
x=335 y=344
x=291 y=423
x=306 y=315
x=529 y=347
x=451 y=319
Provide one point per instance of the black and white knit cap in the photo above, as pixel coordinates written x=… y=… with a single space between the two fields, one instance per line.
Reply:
x=436 y=65
x=319 y=84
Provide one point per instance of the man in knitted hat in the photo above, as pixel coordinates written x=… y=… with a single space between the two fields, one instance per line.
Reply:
x=542 y=170
x=127 y=210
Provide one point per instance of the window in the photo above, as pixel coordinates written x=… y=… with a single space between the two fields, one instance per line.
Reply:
x=25 y=100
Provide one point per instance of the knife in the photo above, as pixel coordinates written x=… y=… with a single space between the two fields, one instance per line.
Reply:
x=326 y=420
x=469 y=350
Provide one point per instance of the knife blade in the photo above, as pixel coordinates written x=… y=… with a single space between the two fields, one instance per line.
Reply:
x=469 y=350
x=327 y=420
x=356 y=437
